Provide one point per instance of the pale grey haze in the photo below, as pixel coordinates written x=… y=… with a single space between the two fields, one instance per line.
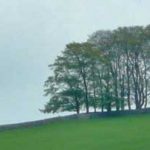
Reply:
x=34 y=32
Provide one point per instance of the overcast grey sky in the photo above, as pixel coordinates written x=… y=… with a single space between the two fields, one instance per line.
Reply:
x=33 y=33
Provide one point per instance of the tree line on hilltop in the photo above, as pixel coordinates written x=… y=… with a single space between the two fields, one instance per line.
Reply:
x=111 y=70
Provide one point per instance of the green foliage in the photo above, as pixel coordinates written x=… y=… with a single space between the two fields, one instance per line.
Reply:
x=111 y=69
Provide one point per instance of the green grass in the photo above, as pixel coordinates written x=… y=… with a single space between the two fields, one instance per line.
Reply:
x=121 y=133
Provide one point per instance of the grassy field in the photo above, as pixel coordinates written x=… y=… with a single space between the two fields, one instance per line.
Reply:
x=121 y=133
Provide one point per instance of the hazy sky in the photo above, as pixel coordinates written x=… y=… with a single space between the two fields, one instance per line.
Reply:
x=33 y=33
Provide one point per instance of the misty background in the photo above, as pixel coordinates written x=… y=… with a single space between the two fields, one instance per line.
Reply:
x=33 y=33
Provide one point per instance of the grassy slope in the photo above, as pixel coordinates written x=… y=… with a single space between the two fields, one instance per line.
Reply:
x=122 y=133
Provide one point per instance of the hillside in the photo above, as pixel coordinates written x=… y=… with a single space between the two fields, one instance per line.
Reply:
x=119 y=133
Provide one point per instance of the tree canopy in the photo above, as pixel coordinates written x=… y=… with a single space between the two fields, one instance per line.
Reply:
x=110 y=70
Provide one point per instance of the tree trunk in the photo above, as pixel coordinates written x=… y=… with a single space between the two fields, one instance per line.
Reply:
x=86 y=94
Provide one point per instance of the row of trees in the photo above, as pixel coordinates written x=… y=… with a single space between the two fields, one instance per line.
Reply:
x=110 y=70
